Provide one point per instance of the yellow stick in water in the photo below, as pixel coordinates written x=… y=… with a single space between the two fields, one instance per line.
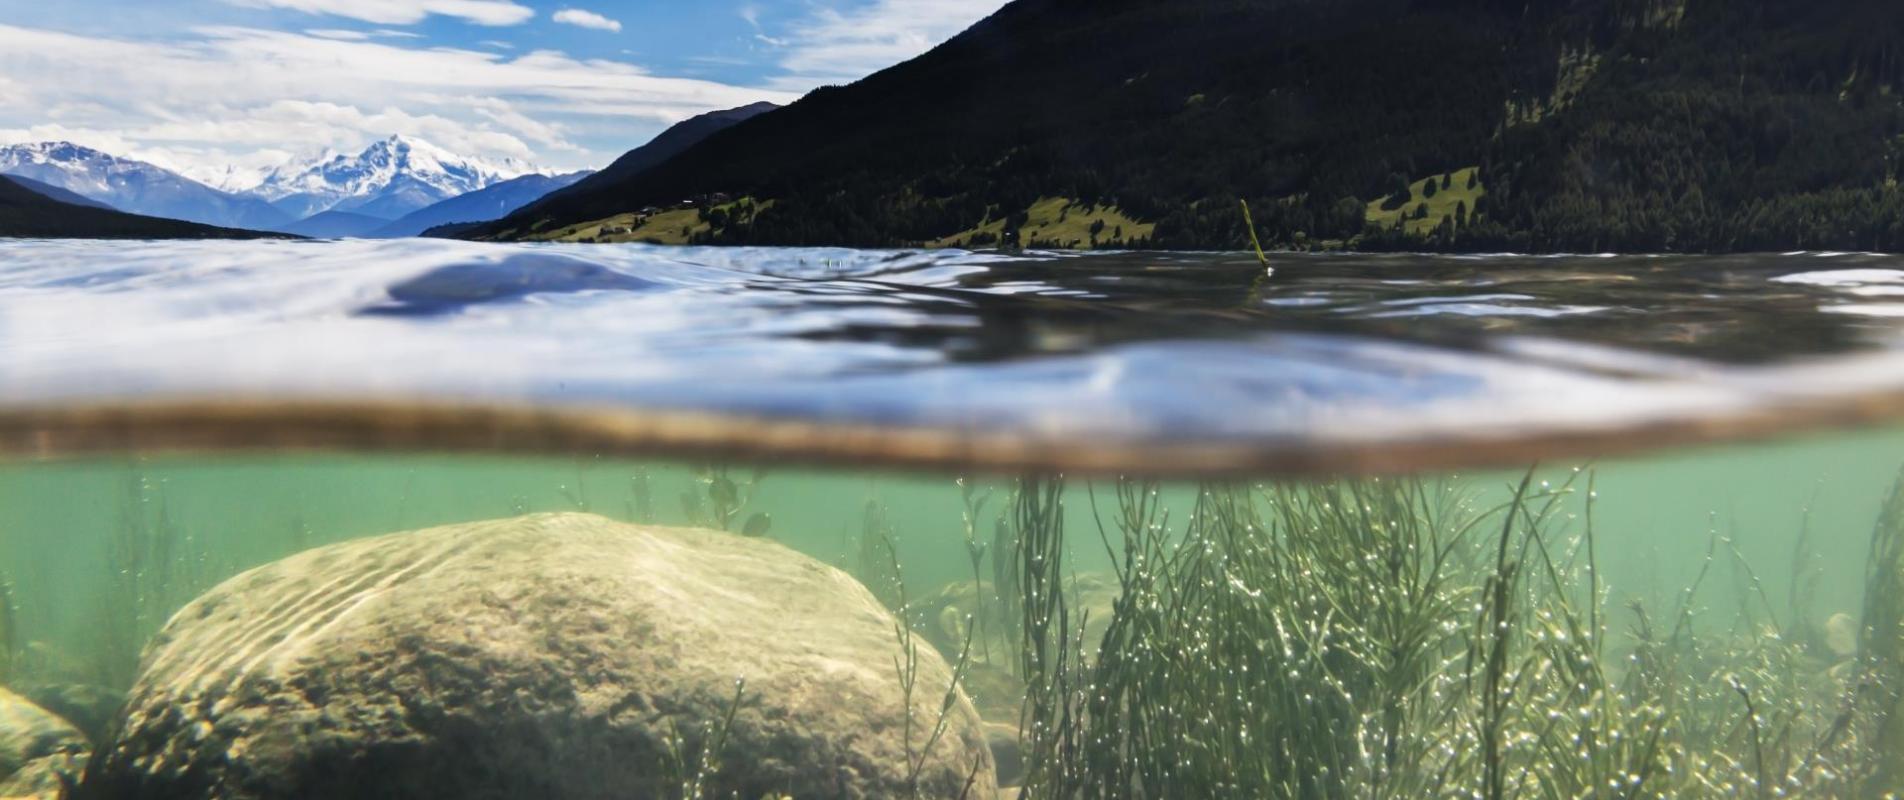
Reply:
x=1254 y=242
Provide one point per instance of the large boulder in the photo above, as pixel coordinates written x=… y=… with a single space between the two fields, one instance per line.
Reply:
x=551 y=656
x=40 y=754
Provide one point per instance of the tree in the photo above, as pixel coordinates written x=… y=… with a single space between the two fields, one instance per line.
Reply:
x=1421 y=211
x=1429 y=187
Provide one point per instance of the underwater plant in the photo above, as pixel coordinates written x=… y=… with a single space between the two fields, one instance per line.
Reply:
x=1006 y=609
x=906 y=667
x=691 y=769
x=640 y=504
x=1046 y=643
x=153 y=567
x=1881 y=640
x=1395 y=638
x=9 y=631
x=876 y=556
x=718 y=500
x=975 y=551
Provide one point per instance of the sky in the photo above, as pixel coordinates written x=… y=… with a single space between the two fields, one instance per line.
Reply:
x=213 y=88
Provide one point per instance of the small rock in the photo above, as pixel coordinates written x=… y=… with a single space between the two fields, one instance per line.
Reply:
x=1007 y=753
x=40 y=754
x=89 y=708
x=1841 y=635
x=995 y=691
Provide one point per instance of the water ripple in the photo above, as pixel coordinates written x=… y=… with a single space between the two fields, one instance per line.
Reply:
x=1185 y=346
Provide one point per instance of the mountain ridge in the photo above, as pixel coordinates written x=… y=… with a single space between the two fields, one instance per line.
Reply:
x=488 y=203
x=57 y=193
x=673 y=141
x=389 y=178
x=134 y=186
x=1633 y=125
x=334 y=225
x=27 y=213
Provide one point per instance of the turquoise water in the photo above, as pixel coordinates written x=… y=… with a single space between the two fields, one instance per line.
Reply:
x=1655 y=513
x=1763 y=552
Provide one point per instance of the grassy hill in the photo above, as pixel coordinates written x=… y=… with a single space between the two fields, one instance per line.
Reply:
x=1447 y=199
x=1584 y=125
x=28 y=214
x=676 y=226
x=1059 y=223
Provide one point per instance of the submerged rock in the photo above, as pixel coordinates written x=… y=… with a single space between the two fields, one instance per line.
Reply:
x=40 y=754
x=552 y=656
x=89 y=708
x=1007 y=752
x=995 y=691
x=1841 y=635
x=942 y=616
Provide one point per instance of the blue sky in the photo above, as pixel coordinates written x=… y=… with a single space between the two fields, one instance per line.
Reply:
x=214 y=87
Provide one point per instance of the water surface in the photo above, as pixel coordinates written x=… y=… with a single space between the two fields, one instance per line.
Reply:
x=1142 y=348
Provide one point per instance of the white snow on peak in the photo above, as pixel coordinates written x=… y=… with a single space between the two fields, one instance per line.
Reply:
x=83 y=169
x=396 y=163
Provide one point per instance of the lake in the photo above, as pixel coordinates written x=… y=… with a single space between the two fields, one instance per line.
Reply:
x=354 y=518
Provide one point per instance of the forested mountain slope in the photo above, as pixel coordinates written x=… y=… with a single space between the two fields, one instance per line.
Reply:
x=1572 y=125
x=27 y=213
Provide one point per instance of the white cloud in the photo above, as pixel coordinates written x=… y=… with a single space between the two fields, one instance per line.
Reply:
x=586 y=19
x=405 y=12
x=230 y=93
x=841 y=46
x=343 y=35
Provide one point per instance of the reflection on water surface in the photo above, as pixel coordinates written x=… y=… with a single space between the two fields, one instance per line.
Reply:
x=1146 y=348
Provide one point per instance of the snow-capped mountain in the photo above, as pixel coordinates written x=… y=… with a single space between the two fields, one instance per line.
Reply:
x=135 y=186
x=229 y=178
x=389 y=179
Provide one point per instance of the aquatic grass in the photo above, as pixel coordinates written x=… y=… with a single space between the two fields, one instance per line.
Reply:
x=1395 y=638
x=906 y=668
x=9 y=632
x=1007 y=601
x=1881 y=640
x=973 y=502
x=876 y=556
x=1048 y=724
x=154 y=565
x=689 y=768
